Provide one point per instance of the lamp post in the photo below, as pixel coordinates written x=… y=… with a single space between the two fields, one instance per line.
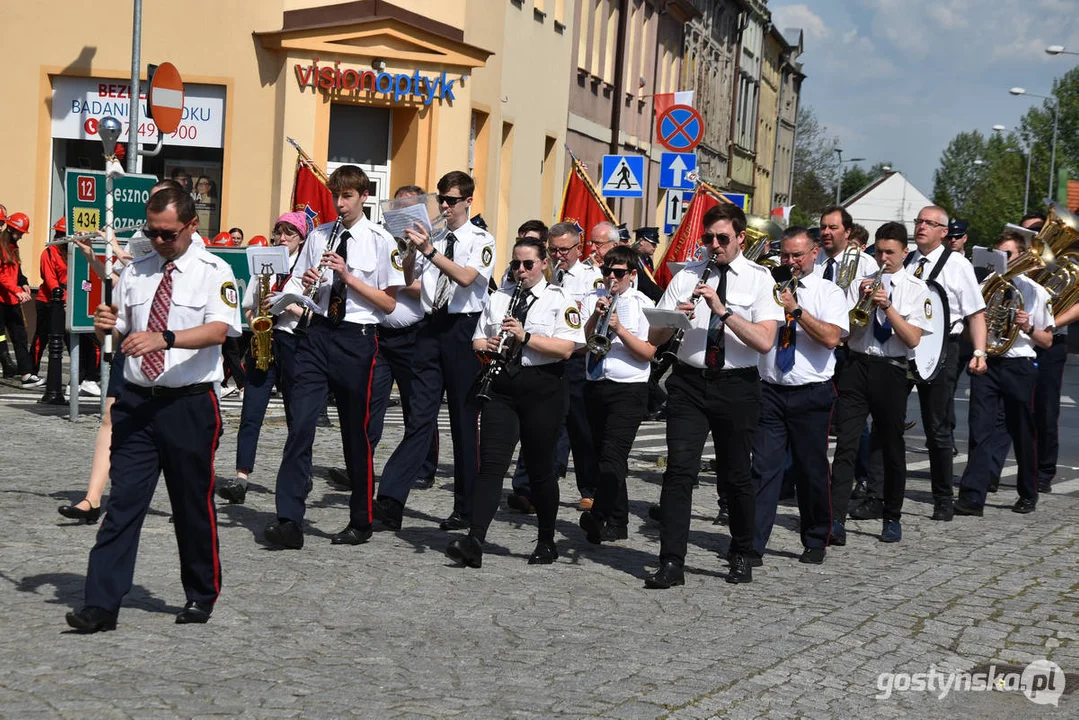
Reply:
x=1056 y=121
x=1058 y=50
x=839 y=182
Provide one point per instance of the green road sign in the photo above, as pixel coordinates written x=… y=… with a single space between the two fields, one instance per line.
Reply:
x=85 y=206
x=84 y=289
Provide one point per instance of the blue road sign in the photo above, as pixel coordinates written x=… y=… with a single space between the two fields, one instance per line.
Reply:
x=738 y=199
x=623 y=176
x=674 y=169
x=680 y=128
x=674 y=209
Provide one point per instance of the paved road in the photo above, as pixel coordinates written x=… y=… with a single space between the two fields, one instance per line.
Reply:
x=390 y=629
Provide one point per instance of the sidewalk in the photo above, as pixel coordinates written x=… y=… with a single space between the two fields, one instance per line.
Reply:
x=390 y=629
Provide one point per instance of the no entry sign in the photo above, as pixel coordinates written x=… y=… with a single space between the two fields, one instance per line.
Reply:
x=681 y=128
x=166 y=98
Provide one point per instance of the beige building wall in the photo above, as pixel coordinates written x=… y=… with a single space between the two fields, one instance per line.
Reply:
x=767 y=119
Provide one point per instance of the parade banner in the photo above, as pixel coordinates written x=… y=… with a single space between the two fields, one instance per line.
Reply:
x=309 y=192
x=685 y=245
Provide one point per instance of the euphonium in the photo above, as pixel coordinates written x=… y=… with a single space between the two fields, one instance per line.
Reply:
x=760 y=234
x=1003 y=300
x=1061 y=235
x=262 y=326
x=848 y=266
x=863 y=309
x=599 y=342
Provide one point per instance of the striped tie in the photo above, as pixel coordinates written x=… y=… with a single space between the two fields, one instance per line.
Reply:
x=153 y=364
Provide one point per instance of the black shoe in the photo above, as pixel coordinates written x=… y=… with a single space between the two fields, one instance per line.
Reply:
x=352 y=535
x=667 y=576
x=466 y=550
x=74 y=512
x=424 y=483
x=455 y=521
x=593 y=527
x=284 y=533
x=234 y=490
x=92 y=619
x=753 y=558
x=339 y=477
x=324 y=420
x=859 y=492
x=194 y=612
x=654 y=513
x=722 y=516
x=520 y=503
x=868 y=509
x=908 y=424
x=544 y=554
x=1045 y=486
x=1024 y=506
x=838 y=536
x=741 y=571
x=388 y=512
x=962 y=507
x=943 y=510
x=614 y=532
x=812 y=556
x=993 y=486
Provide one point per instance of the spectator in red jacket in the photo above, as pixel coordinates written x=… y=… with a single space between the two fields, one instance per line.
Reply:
x=14 y=291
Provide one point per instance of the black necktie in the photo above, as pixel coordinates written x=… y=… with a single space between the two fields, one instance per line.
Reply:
x=714 y=350
x=921 y=268
x=338 y=291
x=829 y=272
x=443 y=289
x=520 y=310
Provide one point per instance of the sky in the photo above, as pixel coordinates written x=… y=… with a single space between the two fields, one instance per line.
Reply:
x=896 y=80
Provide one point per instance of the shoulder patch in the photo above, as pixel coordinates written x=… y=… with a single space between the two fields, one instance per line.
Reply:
x=573 y=317
x=928 y=309
x=229 y=294
x=395 y=260
x=487 y=255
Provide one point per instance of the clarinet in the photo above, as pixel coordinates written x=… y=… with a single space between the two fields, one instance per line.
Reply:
x=305 y=319
x=499 y=360
x=676 y=341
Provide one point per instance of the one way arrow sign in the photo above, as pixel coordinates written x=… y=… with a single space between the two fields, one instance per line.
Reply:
x=675 y=169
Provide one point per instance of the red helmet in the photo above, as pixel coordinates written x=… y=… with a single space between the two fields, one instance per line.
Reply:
x=18 y=222
x=61 y=224
x=222 y=239
x=258 y=240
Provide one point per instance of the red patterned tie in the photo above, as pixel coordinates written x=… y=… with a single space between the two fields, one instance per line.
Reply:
x=153 y=364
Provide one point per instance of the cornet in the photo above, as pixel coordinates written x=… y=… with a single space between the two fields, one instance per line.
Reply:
x=860 y=313
x=599 y=342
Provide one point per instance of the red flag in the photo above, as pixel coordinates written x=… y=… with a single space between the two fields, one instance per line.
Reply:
x=581 y=204
x=311 y=196
x=686 y=241
x=661 y=102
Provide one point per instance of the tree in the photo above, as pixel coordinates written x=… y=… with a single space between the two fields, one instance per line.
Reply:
x=958 y=172
x=815 y=168
x=1037 y=124
x=854 y=179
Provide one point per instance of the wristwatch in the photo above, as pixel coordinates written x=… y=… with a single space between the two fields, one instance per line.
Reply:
x=797 y=313
x=170 y=338
x=979 y=353
x=431 y=255
x=724 y=316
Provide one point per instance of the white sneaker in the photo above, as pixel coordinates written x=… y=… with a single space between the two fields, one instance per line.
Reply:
x=228 y=391
x=90 y=387
x=32 y=381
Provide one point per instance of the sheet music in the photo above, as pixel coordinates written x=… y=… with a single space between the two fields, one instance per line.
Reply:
x=280 y=301
x=401 y=219
x=673 y=319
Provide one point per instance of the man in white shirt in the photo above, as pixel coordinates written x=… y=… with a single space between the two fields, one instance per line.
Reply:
x=796 y=399
x=1009 y=383
x=836 y=225
x=874 y=383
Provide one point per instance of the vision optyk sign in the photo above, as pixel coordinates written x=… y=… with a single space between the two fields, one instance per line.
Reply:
x=398 y=86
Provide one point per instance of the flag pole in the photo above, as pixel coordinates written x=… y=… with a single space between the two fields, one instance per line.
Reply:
x=306 y=160
x=579 y=169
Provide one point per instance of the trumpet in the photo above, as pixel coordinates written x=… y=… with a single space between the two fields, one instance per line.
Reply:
x=499 y=359
x=848 y=266
x=599 y=342
x=785 y=280
x=676 y=341
x=859 y=314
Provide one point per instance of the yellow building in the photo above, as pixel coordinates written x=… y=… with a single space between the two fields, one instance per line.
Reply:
x=409 y=90
x=767 y=120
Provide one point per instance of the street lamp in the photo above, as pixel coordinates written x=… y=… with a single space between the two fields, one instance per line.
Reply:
x=839 y=182
x=1056 y=122
x=1059 y=50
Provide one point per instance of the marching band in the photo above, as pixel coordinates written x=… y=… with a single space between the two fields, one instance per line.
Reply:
x=763 y=352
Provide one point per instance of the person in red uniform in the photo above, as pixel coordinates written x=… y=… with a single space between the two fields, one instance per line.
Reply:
x=14 y=291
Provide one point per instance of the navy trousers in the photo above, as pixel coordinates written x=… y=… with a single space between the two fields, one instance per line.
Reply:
x=177 y=435
x=1051 y=362
x=257 y=388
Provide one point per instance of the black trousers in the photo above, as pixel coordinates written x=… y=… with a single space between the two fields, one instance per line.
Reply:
x=12 y=319
x=794 y=419
x=1009 y=382
x=875 y=387
x=39 y=348
x=728 y=406
x=179 y=436
x=1047 y=392
x=530 y=407
x=340 y=359
x=232 y=355
x=615 y=411
x=937 y=403
x=258 y=385
x=443 y=360
x=396 y=354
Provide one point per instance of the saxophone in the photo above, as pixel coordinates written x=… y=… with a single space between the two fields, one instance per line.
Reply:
x=262 y=325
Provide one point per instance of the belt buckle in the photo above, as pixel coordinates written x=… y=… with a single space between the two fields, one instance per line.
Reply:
x=710 y=373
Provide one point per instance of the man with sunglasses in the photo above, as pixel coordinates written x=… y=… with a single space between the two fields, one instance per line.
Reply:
x=797 y=395
x=173 y=310
x=454 y=273
x=714 y=387
x=933 y=262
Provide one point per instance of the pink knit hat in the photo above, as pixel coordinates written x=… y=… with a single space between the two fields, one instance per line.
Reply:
x=297 y=220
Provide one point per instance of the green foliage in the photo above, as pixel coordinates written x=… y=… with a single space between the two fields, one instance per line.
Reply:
x=815 y=166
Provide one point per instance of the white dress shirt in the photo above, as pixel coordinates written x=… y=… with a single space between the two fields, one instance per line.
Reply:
x=475 y=248
x=203 y=291
x=958 y=280
x=1037 y=304
x=619 y=364
x=367 y=258
x=578 y=281
x=909 y=296
x=749 y=295
x=551 y=314
x=813 y=362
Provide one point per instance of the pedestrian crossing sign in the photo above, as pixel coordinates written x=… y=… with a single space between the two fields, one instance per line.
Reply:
x=623 y=176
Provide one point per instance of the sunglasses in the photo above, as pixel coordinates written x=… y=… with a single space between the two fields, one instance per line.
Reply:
x=515 y=265
x=449 y=199
x=708 y=238
x=165 y=235
x=617 y=272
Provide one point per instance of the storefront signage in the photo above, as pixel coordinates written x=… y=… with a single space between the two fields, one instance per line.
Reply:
x=78 y=104
x=85 y=201
x=425 y=88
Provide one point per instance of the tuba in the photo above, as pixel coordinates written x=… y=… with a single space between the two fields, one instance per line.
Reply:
x=1003 y=300
x=1060 y=235
x=760 y=234
x=262 y=325
x=848 y=265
